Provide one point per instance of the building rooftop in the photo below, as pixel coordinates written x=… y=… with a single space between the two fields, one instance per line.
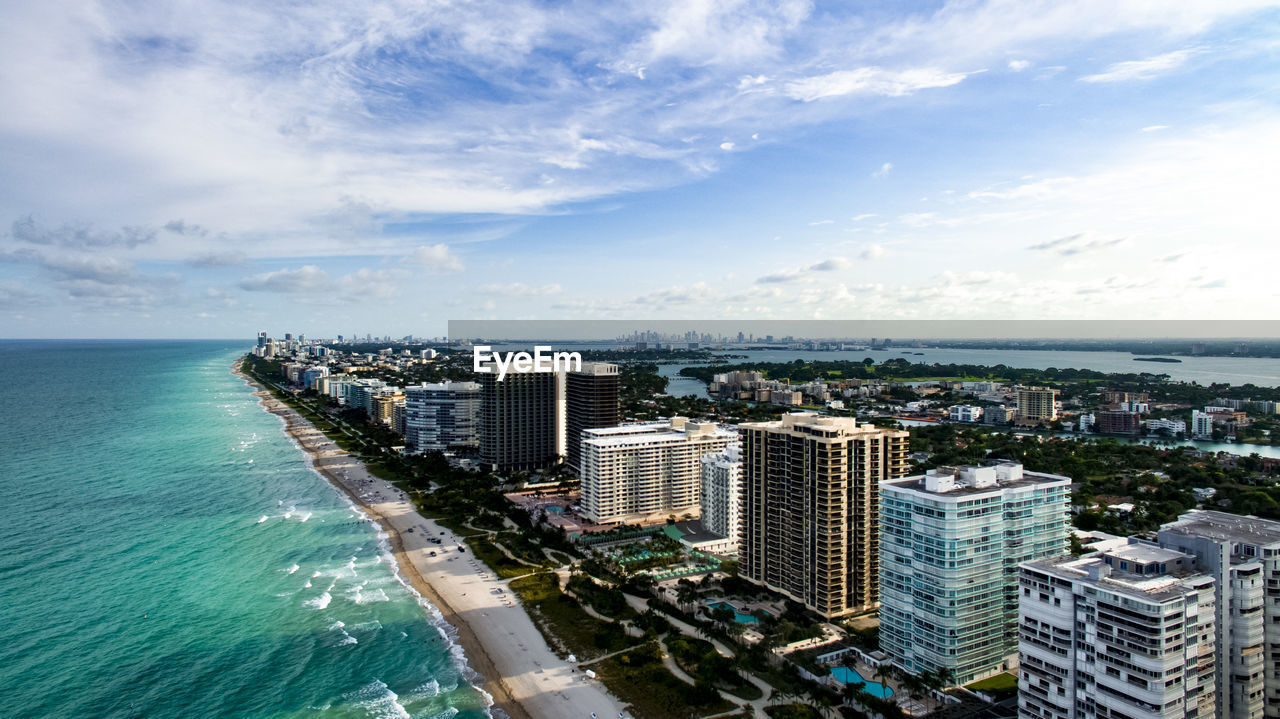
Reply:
x=1144 y=553
x=1093 y=570
x=676 y=429
x=1225 y=527
x=947 y=482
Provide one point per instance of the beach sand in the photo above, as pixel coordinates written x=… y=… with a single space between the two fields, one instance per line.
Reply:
x=524 y=677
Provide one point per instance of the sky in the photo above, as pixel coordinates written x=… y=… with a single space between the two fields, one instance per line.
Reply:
x=213 y=168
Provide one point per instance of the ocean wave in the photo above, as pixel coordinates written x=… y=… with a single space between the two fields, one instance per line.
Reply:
x=262 y=519
x=319 y=602
x=378 y=699
x=290 y=569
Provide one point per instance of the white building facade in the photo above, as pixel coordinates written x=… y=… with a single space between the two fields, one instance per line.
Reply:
x=645 y=472
x=722 y=493
x=1127 y=633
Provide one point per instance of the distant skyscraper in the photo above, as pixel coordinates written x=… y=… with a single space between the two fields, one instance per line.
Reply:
x=441 y=416
x=811 y=508
x=521 y=420
x=591 y=400
x=950 y=544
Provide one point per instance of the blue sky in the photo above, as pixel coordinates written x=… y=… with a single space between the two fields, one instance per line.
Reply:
x=209 y=169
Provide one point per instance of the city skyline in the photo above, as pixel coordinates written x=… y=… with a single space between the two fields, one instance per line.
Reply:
x=204 y=172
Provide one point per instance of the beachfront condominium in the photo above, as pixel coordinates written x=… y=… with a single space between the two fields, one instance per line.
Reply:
x=521 y=420
x=1242 y=554
x=591 y=400
x=721 y=493
x=1187 y=626
x=811 y=508
x=1126 y=633
x=951 y=541
x=646 y=472
x=441 y=416
x=1037 y=404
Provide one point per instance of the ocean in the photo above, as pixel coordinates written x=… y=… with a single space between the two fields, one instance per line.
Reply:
x=166 y=551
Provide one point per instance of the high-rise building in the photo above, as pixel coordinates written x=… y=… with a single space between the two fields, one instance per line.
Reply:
x=1187 y=626
x=1037 y=404
x=1242 y=554
x=1126 y=633
x=648 y=471
x=591 y=400
x=811 y=508
x=521 y=420
x=951 y=541
x=722 y=492
x=262 y=339
x=441 y=416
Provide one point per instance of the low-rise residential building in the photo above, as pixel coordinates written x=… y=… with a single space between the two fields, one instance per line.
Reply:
x=966 y=413
x=1167 y=426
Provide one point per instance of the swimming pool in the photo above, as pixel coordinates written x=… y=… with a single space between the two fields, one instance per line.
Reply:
x=845 y=675
x=738 y=616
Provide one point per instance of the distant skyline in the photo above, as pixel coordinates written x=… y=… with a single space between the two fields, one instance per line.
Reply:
x=220 y=168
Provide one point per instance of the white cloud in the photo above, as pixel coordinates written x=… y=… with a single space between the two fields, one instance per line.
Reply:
x=303 y=280
x=435 y=257
x=871 y=81
x=726 y=146
x=1143 y=69
x=884 y=171
x=519 y=289
x=816 y=223
x=872 y=252
x=834 y=264
x=1155 y=128
x=1018 y=65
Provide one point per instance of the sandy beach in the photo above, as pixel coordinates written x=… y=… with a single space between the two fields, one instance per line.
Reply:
x=524 y=677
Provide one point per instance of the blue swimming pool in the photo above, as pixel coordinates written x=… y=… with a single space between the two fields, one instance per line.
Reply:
x=738 y=616
x=845 y=675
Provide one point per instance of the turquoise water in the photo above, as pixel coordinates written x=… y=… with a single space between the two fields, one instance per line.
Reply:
x=845 y=675
x=166 y=551
x=738 y=616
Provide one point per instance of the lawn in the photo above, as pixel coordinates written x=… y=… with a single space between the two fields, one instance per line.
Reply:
x=501 y=564
x=561 y=620
x=639 y=679
x=998 y=684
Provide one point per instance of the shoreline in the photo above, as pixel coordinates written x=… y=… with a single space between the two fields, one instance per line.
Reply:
x=522 y=676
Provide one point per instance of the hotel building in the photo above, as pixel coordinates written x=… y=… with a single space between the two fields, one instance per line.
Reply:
x=950 y=544
x=646 y=472
x=811 y=508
